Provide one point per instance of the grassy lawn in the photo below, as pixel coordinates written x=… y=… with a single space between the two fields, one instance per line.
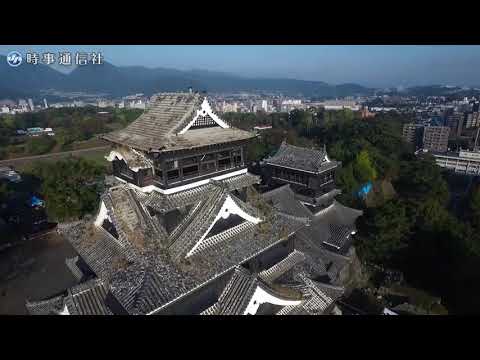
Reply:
x=97 y=155
x=92 y=143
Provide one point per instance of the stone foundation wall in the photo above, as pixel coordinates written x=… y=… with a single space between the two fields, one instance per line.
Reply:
x=354 y=274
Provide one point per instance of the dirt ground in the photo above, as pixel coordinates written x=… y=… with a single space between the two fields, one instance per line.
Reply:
x=33 y=270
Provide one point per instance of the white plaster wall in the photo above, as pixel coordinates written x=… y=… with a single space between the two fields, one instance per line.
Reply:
x=102 y=215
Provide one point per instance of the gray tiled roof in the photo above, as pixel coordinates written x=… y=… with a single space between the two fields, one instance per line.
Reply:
x=136 y=228
x=96 y=246
x=73 y=267
x=199 y=224
x=163 y=202
x=212 y=310
x=87 y=298
x=320 y=201
x=320 y=261
x=244 y=229
x=157 y=129
x=301 y=158
x=277 y=270
x=195 y=226
x=318 y=297
x=241 y=288
x=45 y=307
x=149 y=283
x=288 y=310
x=322 y=295
x=166 y=113
x=147 y=268
x=147 y=278
x=332 y=225
x=339 y=235
x=283 y=199
x=236 y=295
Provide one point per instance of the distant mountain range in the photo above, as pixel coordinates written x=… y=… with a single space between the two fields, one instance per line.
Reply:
x=29 y=80
x=433 y=90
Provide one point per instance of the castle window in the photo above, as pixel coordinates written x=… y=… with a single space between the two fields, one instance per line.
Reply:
x=125 y=170
x=173 y=164
x=190 y=160
x=208 y=167
x=190 y=171
x=224 y=164
x=224 y=154
x=173 y=174
x=237 y=157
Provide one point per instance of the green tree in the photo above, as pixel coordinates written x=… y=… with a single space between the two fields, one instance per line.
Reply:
x=8 y=121
x=384 y=231
x=40 y=144
x=474 y=206
x=420 y=180
x=346 y=179
x=363 y=168
x=70 y=187
x=4 y=192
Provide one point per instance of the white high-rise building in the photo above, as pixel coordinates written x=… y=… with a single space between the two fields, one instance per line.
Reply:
x=265 y=105
x=45 y=103
x=30 y=103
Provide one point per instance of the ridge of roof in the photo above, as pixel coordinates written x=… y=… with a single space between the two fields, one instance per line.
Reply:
x=300 y=158
x=161 y=126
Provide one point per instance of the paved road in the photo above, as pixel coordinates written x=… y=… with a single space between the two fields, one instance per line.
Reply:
x=57 y=154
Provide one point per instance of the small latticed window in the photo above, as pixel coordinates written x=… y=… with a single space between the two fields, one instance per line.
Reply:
x=189 y=160
x=173 y=164
x=173 y=174
x=203 y=122
x=190 y=171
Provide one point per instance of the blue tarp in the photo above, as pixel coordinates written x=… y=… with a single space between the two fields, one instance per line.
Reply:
x=364 y=190
x=35 y=201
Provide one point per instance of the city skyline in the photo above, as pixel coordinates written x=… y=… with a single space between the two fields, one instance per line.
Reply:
x=372 y=66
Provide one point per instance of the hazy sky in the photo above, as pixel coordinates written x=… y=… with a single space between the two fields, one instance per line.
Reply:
x=366 y=65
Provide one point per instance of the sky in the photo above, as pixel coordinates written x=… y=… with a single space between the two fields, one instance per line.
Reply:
x=368 y=65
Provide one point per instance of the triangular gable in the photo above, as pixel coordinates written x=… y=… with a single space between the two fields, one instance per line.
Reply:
x=264 y=295
x=205 y=117
x=229 y=207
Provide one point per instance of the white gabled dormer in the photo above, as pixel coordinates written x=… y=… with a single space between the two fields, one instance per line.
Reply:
x=205 y=110
x=229 y=207
x=260 y=296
